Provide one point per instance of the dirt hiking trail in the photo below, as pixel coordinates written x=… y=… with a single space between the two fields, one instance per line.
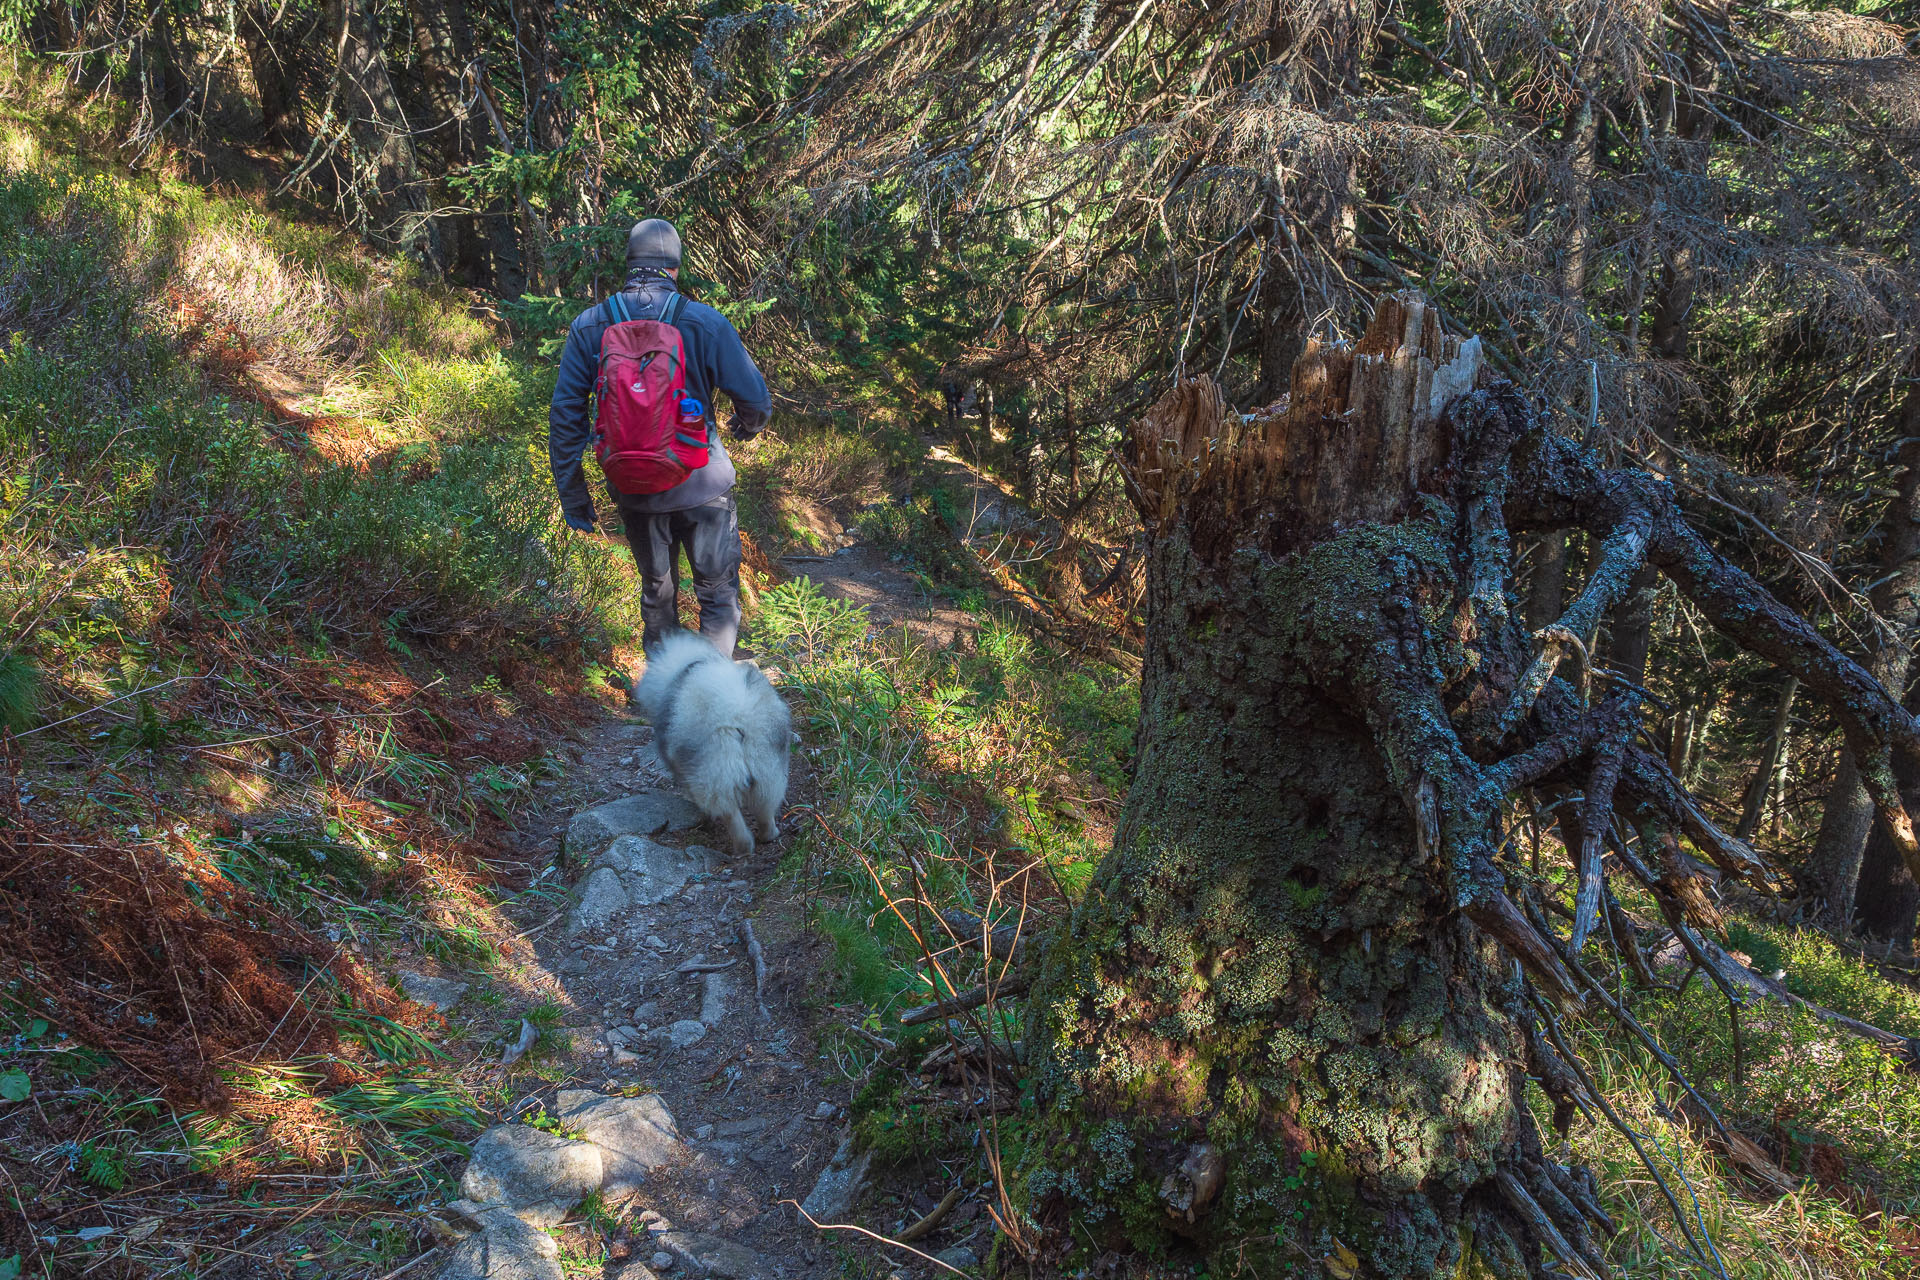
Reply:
x=695 y=1097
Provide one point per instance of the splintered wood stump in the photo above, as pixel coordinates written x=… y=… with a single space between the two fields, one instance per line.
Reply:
x=1361 y=432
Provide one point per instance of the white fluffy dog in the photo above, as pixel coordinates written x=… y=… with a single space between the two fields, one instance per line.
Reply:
x=722 y=732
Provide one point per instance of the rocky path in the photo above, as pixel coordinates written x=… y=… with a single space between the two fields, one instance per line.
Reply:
x=694 y=1098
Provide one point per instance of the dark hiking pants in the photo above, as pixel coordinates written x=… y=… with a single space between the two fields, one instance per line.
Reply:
x=710 y=536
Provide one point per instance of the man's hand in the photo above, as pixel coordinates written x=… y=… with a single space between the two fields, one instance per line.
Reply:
x=584 y=524
x=738 y=432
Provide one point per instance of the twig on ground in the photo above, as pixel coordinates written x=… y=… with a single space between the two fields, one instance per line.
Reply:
x=934 y=1218
x=965 y=1000
x=871 y=1235
x=759 y=959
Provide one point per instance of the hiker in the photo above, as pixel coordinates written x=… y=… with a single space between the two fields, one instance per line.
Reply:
x=670 y=474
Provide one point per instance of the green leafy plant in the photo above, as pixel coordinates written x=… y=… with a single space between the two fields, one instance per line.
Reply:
x=800 y=618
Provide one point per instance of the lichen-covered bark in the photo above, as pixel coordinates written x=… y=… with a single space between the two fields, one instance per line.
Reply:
x=1269 y=964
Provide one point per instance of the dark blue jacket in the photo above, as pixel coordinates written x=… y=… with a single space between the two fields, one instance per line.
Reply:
x=716 y=361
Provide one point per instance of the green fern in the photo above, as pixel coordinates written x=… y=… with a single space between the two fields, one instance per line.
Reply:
x=19 y=691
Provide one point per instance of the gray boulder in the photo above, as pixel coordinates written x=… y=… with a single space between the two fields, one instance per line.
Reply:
x=538 y=1175
x=646 y=814
x=635 y=1135
x=681 y=1035
x=652 y=872
x=503 y=1248
x=439 y=993
x=959 y=1257
x=601 y=898
x=838 y=1185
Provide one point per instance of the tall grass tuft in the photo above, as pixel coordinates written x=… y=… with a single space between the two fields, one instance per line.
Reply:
x=19 y=691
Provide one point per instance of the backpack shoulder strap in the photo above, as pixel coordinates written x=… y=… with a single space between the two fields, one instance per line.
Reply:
x=617 y=305
x=670 y=313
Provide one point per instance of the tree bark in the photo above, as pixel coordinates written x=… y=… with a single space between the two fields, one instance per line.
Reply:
x=1834 y=865
x=1311 y=226
x=443 y=47
x=1228 y=1036
x=386 y=171
x=1278 y=1027
x=1890 y=900
x=1753 y=802
x=269 y=75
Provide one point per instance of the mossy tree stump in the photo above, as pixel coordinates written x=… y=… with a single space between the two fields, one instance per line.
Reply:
x=1287 y=1027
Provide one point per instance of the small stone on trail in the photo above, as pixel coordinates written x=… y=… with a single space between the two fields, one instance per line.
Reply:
x=645 y=814
x=714 y=1256
x=713 y=999
x=625 y=1057
x=839 y=1185
x=634 y=1135
x=704 y=1132
x=960 y=1258
x=441 y=993
x=536 y=1174
x=655 y=941
x=634 y=1271
x=825 y=1111
x=681 y=1035
x=600 y=899
x=661 y=1261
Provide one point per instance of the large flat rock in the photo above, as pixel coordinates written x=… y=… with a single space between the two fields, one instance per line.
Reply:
x=602 y=897
x=440 y=994
x=537 y=1175
x=505 y=1248
x=646 y=814
x=839 y=1185
x=651 y=873
x=635 y=1135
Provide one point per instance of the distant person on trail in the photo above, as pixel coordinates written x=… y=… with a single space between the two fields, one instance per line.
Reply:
x=651 y=361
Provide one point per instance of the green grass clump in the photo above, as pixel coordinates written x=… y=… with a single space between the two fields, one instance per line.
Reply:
x=938 y=770
x=19 y=691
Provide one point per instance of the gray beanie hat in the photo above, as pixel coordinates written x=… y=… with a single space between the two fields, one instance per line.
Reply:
x=653 y=243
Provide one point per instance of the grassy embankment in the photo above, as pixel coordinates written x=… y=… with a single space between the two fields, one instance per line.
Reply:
x=292 y=630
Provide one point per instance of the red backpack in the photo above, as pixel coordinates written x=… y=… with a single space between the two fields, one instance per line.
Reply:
x=644 y=442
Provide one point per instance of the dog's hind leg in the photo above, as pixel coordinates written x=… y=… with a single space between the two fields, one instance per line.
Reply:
x=766 y=810
x=740 y=833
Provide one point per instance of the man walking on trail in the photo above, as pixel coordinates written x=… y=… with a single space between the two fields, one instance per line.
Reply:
x=696 y=515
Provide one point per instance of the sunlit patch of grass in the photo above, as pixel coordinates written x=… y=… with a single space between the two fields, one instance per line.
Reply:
x=552 y=1038
x=1810 y=1233
x=1822 y=973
